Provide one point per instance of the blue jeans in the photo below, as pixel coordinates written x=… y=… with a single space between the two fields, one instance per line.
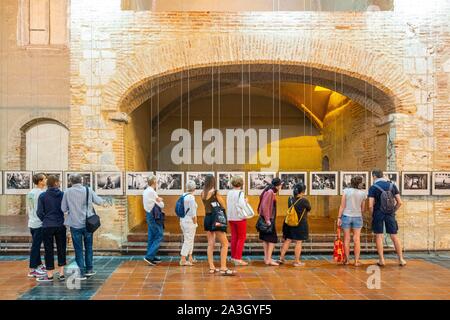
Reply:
x=80 y=237
x=155 y=236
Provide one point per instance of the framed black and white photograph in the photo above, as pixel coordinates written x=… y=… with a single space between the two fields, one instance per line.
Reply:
x=391 y=176
x=136 y=182
x=323 y=183
x=58 y=174
x=170 y=183
x=258 y=180
x=199 y=179
x=290 y=179
x=346 y=177
x=86 y=178
x=416 y=183
x=108 y=183
x=441 y=183
x=224 y=181
x=17 y=182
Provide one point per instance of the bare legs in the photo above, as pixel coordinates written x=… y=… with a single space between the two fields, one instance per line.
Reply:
x=268 y=250
x=222 y=237
x=297 y=250
x=356 y=242
x=397 y=245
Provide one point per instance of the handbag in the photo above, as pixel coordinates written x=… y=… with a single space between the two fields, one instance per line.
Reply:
x=244 y=211
x=338 y=250
x=263 y=227
x=219 y=216
x=92 y=222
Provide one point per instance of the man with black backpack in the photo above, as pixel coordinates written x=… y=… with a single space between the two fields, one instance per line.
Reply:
x=384 y=201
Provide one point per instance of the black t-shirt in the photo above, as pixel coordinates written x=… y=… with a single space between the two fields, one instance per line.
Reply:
x=375 y=193
x=302 y=204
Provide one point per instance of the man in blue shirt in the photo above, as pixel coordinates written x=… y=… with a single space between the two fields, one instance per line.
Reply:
x=381 y=219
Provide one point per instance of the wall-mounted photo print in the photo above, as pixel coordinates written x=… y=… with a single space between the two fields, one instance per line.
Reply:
x=391 y=176
x=258 y=180
x=170 y=183
x=416 y=183
x=108 y=183
x=290 y=179
x=58 y=174
x=17 y=182
x=136 y=182
x=346 y=177
x=323 y=183
x=224 y=181
x=199 y=179
x=441 y=183
x=86 y=178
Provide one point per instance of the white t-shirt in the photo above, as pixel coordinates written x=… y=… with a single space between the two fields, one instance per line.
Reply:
x=190 y=207
x=149 y=199
x=32 y=203
x=353 y=199
x=232 y=200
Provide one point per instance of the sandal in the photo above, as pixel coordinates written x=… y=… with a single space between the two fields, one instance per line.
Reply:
x=402 y=263
x=184 y=264
x=273 y=264
x=281 y=261
x=381 y=264
x=240 y=263
x=227 y=272
x=357 y=264
x=298 y=264
x=212 y=271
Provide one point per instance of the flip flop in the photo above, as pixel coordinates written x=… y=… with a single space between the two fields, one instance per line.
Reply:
x=301 y=264
x=185 y=264
x=227 y=272
x=380 y=264
x=212 y=271
x=402 y=263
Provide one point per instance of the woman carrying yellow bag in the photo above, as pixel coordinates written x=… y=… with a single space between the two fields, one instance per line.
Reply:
x=295 y=226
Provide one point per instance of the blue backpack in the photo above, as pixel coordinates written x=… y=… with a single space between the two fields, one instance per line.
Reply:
x=179 y=207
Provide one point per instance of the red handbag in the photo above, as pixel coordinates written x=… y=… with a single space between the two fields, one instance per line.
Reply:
x=338 y=251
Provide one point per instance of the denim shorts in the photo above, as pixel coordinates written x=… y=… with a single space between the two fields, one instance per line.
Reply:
x=351 y=222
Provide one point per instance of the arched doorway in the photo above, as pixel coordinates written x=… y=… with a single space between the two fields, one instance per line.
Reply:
x=320 y=127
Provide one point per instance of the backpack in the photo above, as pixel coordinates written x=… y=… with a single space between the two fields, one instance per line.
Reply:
x=292 y=216
x=179 y=207
x=387 y=199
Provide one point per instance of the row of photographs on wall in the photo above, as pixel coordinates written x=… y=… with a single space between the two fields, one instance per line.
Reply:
x=172 y=183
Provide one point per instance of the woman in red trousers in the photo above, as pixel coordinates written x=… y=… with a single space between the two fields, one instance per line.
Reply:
x=238 y=225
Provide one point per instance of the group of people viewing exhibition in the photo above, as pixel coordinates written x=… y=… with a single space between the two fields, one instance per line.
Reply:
x=47 y=206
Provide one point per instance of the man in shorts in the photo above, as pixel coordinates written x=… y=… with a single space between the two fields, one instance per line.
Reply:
x=380 y=219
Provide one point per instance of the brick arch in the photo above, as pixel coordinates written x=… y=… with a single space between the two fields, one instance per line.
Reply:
x=16 y=137
x=137 y=77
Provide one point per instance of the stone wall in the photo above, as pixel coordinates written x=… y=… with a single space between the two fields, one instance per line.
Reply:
x=34 y=86
x=119 y=58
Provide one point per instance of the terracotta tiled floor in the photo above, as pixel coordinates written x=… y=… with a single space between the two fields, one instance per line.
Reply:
x=13 y=279
x=319 y=279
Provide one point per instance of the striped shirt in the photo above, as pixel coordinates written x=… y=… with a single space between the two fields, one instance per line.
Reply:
x=74 y=203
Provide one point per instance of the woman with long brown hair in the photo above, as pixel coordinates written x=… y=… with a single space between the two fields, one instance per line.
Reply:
x=210 y=197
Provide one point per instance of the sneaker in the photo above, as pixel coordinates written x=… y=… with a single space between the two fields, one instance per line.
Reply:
x=45 y=278
x=62 y=277
x=36 y=273
x=90 y=273
x=81 y=278
x=42 y=268
x=150 y=262
x=157 y=260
